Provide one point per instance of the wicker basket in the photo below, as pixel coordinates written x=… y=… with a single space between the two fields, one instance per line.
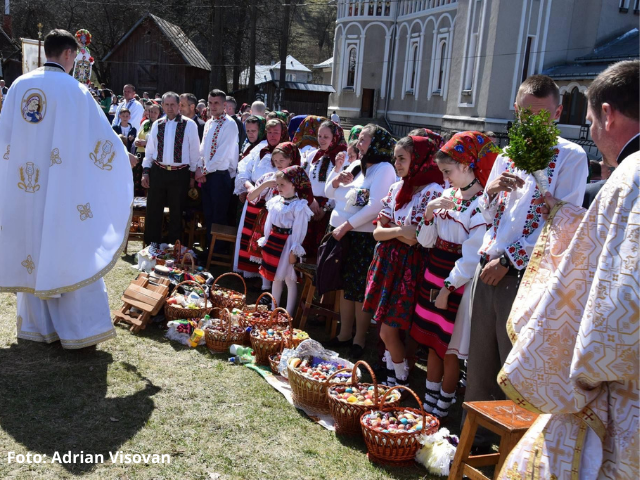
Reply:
x=293 y=342
x=222 y=301
x=257 y=316
x=347 y=415
x=181 y=264
x=174 y=312
x=307 y=393
x=264 y=347
x=220 y=342
x=397 y=449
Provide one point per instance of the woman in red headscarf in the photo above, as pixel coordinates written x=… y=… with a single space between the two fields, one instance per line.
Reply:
x=452 y=228
x=318 y=163
x=399 y=259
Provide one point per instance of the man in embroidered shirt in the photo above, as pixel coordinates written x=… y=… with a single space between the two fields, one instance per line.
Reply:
x=219 y=152
x=172 y=151
x=135 y=107
x=512 y=205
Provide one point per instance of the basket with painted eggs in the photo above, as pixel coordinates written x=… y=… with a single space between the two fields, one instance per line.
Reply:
x=348 y=401
x=267 y=340
x=187 y=302
x=259 y=316
x=392 y=432
x=222 y=297
x=221 y=334
x=310 y=378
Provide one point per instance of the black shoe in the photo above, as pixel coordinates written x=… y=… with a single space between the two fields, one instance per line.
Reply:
x=356 y=352
x=481 y=450
x=336 y=343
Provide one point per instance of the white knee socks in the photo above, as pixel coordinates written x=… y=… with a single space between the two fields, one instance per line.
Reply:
x=402 y=372
x=292 y=293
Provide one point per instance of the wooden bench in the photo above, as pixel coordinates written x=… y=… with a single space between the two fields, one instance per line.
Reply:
x=502 y=417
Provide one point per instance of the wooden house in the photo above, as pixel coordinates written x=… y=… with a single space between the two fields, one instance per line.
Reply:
x=157 y=56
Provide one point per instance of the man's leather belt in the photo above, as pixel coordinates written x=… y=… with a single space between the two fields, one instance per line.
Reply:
x=170 y=168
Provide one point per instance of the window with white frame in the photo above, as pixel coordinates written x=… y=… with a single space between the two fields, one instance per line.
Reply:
x=440 y=65
x=411 y=79
x=624 y=6
x=636 y=6
x=352 y=62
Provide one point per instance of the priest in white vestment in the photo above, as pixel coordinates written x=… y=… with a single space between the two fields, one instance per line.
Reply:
x=65 y=203
x=574 y=325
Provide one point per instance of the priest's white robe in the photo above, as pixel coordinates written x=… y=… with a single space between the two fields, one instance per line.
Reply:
x=66 y=191
x=574 y=324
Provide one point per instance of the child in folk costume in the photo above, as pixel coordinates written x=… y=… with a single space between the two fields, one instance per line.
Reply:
x=318 y=164
x=284 y=155
x=399 y=260
x=285 y=229
x=452 y=228
x=250 y=169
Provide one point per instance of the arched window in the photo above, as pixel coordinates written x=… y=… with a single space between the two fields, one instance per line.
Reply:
x=414 y=68
x=441 y=65
x=574 y=107
x=351 y=68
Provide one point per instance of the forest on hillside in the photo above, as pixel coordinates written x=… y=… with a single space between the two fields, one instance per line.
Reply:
x=310 y=40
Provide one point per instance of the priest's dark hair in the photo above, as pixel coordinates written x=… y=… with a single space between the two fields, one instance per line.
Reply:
x=57 y=41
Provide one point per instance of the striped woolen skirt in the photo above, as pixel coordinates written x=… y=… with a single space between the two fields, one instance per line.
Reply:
x=244 y=256
x=431 y=326
x=272 y=251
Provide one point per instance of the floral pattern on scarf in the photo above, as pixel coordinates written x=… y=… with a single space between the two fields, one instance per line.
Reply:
x=328 y=156
x=380 y=150
x=290 y=151
x=355 y=133
x=300 y=180
x=474 y=149
x=307 y=133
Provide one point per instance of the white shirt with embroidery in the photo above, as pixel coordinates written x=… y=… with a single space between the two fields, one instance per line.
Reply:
x=463 y=225
x=515 y=218
x=219 y=147
x=313 y=172
x=294 y=214
x=252 y=168
x=375 y=186
x=190 y=144
x=268 y=193
x=412 y=212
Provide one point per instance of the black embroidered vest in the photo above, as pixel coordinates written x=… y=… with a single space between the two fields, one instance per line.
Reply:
x=178 y=141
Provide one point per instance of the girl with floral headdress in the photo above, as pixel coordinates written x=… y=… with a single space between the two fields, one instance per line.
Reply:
x=452 y=228
x=250 y=170
x=399 y=260
x=318 y=163
x=285 y=229
x=284 y=155
x=358 y=191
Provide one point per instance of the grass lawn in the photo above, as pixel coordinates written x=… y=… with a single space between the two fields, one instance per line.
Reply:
x=143 y=394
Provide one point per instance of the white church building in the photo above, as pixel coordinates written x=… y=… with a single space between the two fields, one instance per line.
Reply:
x=457 y=64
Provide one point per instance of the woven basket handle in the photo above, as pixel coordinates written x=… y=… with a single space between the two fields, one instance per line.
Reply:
x=226 y=317
x=264 y=294
x=193 y=263
x=354 y=378
x=233 y=274
x=197 y=285
x=273 y=316
x=402 y=387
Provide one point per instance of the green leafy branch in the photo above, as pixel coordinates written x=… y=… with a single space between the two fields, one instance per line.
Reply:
x=532 y=139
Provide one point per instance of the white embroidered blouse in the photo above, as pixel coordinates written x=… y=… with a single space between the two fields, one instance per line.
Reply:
x=412 y=212
x=464 y=225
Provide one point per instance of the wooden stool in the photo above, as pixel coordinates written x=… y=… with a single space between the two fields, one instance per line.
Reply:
x=222 y=233
x=193 y=232
x=502 y=417
x=306 y=305
x=146 y=295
